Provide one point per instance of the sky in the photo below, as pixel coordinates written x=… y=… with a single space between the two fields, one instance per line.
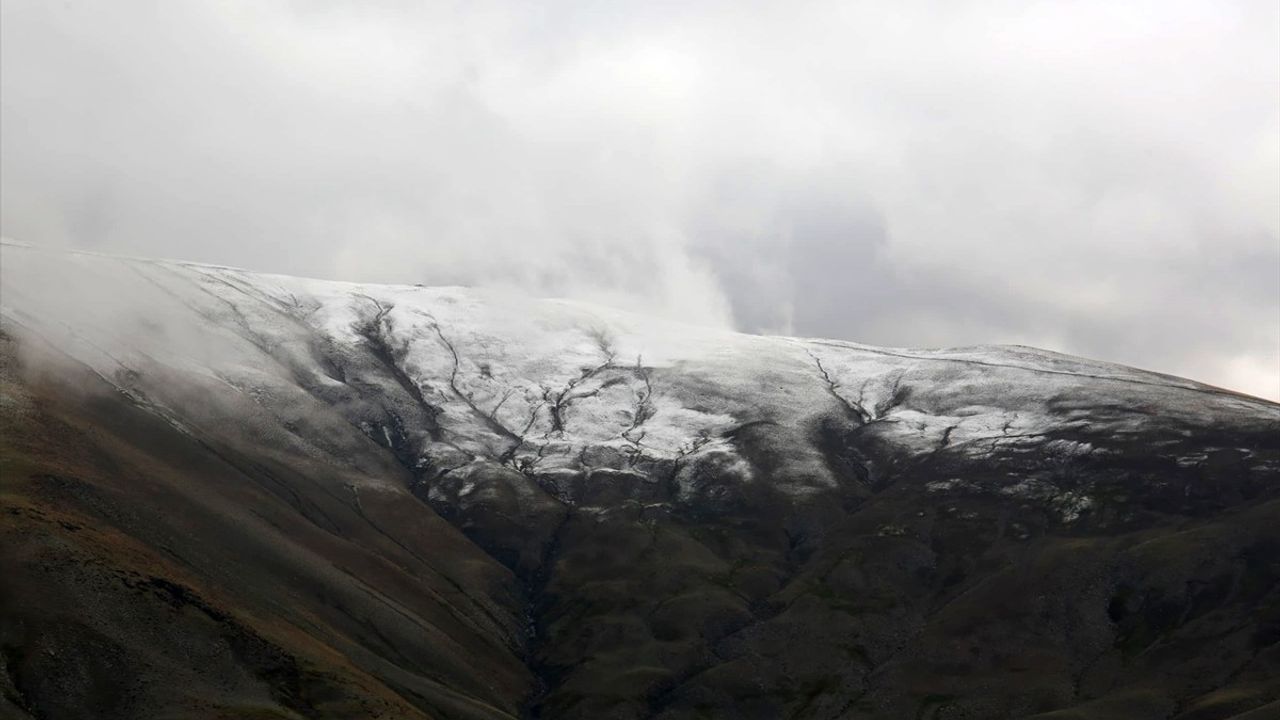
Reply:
x=1097 y=178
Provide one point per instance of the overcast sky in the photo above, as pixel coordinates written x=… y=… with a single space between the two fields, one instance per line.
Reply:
x=1100 y=178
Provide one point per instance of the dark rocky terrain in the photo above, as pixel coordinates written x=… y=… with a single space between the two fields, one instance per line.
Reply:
x=228 y=495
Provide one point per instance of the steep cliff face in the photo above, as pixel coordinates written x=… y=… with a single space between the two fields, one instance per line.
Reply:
x=228 y=494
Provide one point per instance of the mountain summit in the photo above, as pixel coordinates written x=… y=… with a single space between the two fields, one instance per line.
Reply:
x=228 y=494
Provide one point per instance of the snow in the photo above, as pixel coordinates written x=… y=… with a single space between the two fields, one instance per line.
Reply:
x=561 y=388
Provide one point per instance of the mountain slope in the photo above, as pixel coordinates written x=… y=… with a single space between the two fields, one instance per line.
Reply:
x=228 y=494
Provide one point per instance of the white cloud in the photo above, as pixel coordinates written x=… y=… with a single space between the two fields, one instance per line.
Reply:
x=1105 y=176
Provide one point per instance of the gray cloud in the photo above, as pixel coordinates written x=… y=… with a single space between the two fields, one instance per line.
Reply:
x=1097 y=178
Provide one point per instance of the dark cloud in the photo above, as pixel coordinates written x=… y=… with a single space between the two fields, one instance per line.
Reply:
x=1098 y=178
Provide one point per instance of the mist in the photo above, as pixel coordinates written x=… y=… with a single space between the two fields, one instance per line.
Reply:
x=1093 y=178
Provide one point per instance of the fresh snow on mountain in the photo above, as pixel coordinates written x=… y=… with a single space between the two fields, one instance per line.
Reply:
x=563 y=392
x=228 y=492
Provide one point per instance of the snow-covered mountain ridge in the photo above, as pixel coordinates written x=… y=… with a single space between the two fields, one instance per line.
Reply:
x=559 y=390
x=229 y=494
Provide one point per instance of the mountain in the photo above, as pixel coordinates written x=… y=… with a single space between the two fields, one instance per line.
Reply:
x=234 y=495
